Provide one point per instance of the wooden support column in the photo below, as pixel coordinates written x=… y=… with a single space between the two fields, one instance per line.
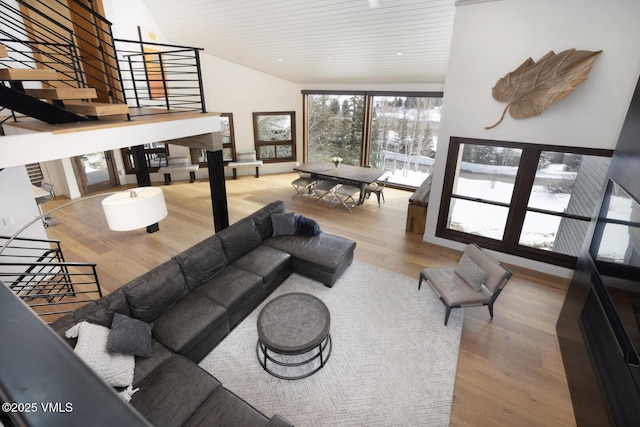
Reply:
x=142 y=176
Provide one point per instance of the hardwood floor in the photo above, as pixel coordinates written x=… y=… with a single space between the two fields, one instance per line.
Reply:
x=510 y=371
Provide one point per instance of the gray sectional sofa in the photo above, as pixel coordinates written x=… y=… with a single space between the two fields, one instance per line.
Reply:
x=196 y=298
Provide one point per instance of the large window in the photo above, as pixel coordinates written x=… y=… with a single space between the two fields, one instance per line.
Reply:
x=404 y=135
x=198 y=155
x=525 y=199
x=275 y=136
x=395 y=132
x=335 y=127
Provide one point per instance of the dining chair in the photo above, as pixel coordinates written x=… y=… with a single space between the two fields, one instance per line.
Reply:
x=303 y=184
x=376 y=188
x=323 y=190
x=346 y=196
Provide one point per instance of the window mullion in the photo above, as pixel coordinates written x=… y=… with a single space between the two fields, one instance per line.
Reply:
x=520 y=199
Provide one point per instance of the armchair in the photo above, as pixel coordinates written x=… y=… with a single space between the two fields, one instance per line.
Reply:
x=477 y=280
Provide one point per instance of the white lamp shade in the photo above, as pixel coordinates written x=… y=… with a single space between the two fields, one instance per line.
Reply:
x=125 y=211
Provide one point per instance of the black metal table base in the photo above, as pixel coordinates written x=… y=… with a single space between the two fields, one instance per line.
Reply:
x=262 y=351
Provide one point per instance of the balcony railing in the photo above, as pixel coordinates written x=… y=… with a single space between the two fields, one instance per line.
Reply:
x=78 y=43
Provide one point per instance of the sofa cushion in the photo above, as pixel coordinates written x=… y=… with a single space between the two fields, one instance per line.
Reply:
x=239 y=238
x=129 y=336
x=265 y=261
x=223 y=408
x=238 y=290
x=173 y=392
x=155 y=291
x=284 y=224
x=202 y=261
x=190 y=321
x=324 y=251
x=262 y=218
x=146 y=365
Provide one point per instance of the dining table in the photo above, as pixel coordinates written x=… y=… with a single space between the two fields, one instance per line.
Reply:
x=356 y=176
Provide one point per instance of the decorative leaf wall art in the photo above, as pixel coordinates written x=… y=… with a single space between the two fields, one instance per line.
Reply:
x=533 y=86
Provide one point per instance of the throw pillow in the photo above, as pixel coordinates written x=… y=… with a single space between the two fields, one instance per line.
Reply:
x=129 y=336
x=284 y=224
x=115 y=369
x=471 y=272
x=306 y=226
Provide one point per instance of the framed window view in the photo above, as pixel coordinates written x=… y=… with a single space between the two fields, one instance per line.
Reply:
x=275 y=136
x=199 y=155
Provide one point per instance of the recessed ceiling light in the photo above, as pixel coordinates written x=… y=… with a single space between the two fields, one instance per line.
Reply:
x=399 y=53
x=280 y=59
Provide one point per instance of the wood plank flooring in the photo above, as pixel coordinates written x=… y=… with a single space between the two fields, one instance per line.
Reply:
x=510 y=370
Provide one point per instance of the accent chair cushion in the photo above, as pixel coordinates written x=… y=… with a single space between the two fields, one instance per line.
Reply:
x=284 y=224
x=114 y=368
x=471 y=272
x=129 y=336
x=154 y=292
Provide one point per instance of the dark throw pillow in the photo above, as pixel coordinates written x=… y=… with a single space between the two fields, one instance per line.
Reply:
x=129 y=336
x=284 y=224
x=306 y=226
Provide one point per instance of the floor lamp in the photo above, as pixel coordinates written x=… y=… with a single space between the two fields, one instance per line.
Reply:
x=125 y=210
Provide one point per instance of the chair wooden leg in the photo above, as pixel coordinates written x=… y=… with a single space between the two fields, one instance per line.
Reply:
x=378 y=196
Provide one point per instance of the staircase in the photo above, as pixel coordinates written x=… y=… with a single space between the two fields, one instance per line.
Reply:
x=36 y=271
x=65 y=105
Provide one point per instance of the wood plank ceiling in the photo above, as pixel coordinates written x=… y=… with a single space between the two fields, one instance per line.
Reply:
x=318 y=41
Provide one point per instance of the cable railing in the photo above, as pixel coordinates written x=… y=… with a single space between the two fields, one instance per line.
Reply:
x=36 y=271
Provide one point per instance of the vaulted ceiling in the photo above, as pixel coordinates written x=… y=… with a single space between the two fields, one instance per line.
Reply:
x=318 y=41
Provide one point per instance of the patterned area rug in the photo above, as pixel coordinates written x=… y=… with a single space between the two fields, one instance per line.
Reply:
x=393 y=361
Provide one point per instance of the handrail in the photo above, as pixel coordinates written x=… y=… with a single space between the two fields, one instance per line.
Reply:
x=36 y=271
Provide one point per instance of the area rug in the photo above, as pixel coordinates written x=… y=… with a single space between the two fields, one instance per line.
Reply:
x=393 y=361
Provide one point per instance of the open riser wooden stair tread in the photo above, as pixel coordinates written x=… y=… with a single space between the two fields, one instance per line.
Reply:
x=97 y=109
x=27 y=74
x=62 y=93
x=3 y=51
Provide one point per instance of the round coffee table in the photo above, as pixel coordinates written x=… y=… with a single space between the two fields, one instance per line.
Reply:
x=293 y=334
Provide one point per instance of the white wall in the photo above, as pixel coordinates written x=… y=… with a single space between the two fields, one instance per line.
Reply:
x=492 y=39
x=17 y=204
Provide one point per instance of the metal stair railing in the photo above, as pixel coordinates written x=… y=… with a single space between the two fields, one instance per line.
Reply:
x=161 y=76
x=36 y=271
x=142 y=74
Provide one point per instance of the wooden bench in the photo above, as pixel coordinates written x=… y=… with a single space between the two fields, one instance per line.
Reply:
x=178 y=164
x=246 y=158
x=417 y=210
